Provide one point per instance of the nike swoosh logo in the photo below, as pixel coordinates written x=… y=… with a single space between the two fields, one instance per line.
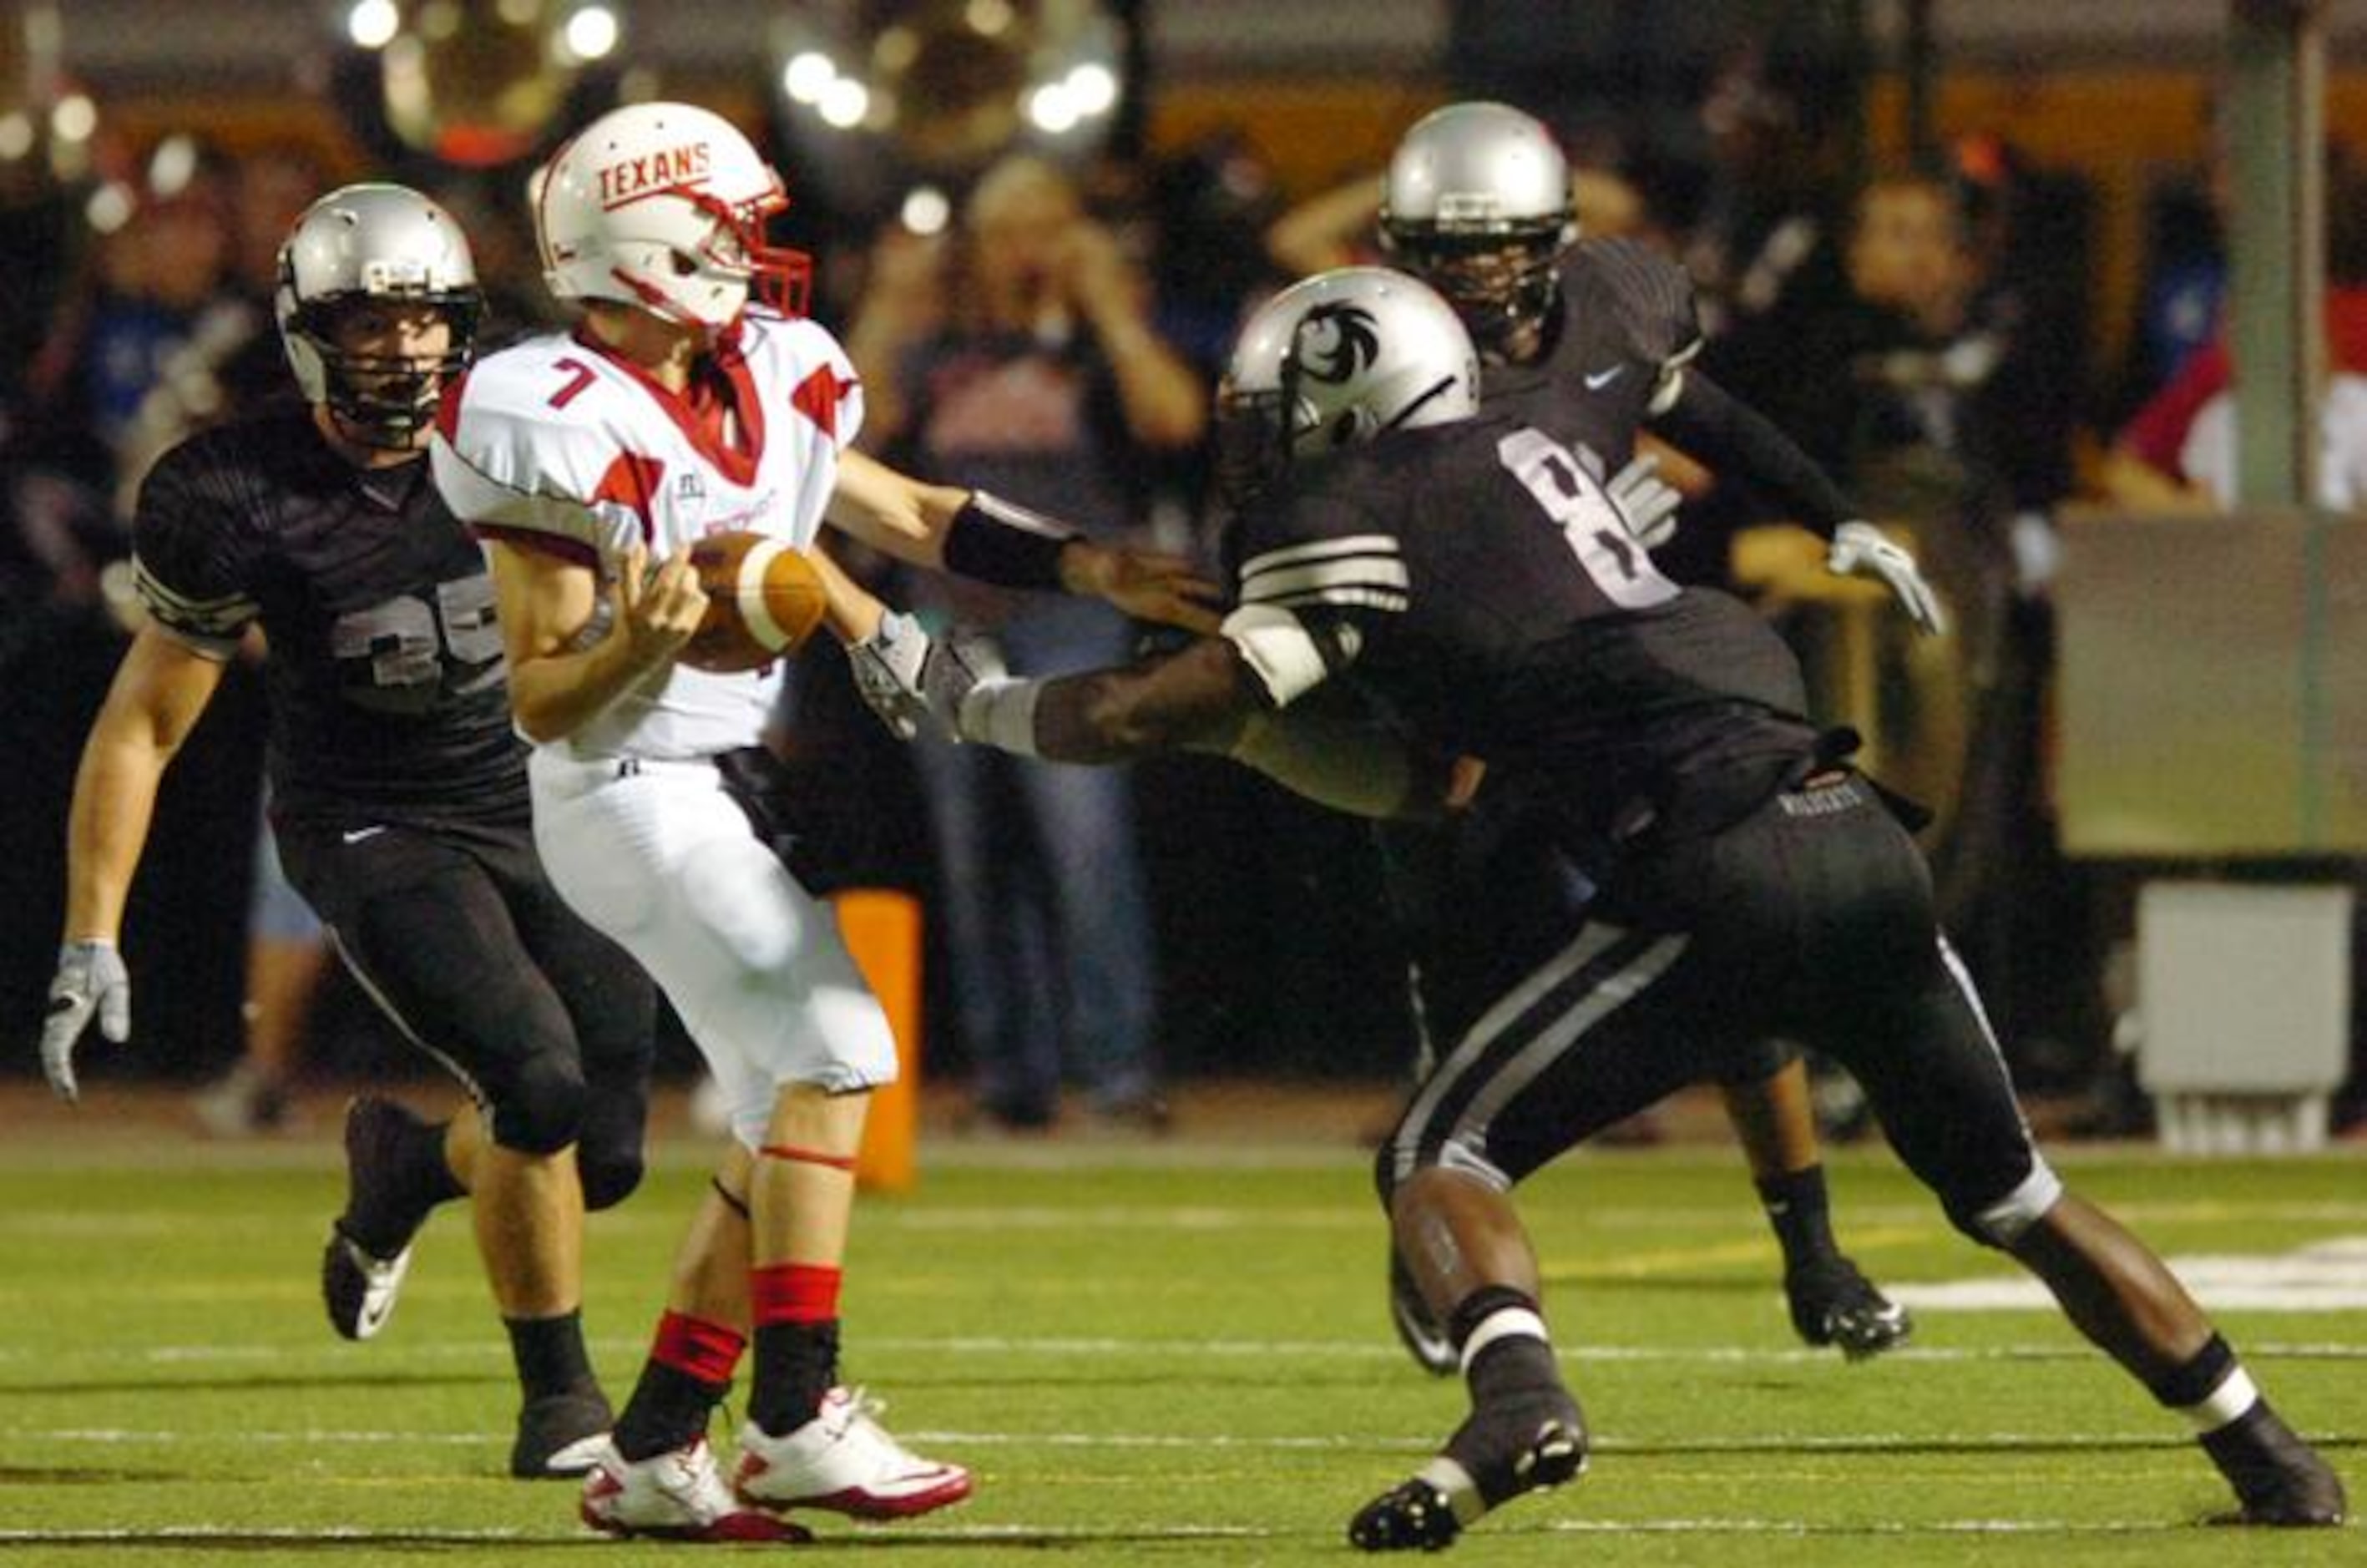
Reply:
x=1598 y=379
x=374 y=1315
x=359 y=834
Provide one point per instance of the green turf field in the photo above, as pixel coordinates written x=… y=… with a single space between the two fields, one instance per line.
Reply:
x=1174 y=1355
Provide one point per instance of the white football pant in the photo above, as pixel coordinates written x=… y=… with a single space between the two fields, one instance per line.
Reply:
x=655 y=855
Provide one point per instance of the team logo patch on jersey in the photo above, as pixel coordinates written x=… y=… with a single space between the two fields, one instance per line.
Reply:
x=1335 y=343
x=660 y=171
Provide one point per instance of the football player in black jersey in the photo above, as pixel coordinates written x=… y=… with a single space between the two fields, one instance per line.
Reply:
x=1467 y=575
x=398 y=796
x=1599 y=334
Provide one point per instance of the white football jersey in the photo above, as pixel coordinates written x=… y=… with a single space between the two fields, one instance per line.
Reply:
x=556 y=444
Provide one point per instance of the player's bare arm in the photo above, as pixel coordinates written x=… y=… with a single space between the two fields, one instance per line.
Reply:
x=1207 y=697
x=968 y=532
x=546 y=603
x=1200 y=697
x=160 y=689
x=852 y=612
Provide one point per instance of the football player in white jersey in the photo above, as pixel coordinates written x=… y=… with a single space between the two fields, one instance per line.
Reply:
x=693 y=397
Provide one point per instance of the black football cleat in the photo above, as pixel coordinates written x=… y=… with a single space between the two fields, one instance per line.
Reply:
x=1412 y=1517
x=358 y=1287
x=560 y=1435
x=369 y=1243
x=1833 y=1303
x=1516 y=1445
x=2280 y=1481
x=1418 y=1330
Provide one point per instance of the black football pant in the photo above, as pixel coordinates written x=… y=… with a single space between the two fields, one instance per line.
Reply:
x=1482 y=900
x=459 y=939
x=1810 y=919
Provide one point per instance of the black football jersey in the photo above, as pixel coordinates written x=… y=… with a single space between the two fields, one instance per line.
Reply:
x=1472 y=579
x=385 y=675
x=1623 y=322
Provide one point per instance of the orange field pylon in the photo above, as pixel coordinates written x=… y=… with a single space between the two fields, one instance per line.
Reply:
x=883 y=932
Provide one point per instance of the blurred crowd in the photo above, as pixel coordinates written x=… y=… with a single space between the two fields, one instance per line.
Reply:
x=1924 y=331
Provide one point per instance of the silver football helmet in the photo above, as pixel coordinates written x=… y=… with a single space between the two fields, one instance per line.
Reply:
x=374 y=243
x=1343 y=357
x=1477 y=202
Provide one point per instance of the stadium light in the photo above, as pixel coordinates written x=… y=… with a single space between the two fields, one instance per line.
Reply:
x=845 y=103
x=372 y=24
x=1053 y=108
x=927 y=210
x=110 y=207
x=1093 y=89
x=808 y=75
x=173 y=164
x=592 y=32
x=75 y=118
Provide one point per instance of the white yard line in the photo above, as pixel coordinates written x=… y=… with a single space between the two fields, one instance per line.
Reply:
x=1085 y=1347
x=2162 y=1437
x=1087 y=1534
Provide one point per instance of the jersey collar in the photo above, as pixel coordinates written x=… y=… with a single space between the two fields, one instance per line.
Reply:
x=737 y=463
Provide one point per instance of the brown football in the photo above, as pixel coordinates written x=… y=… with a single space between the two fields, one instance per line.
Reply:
x=763 y=598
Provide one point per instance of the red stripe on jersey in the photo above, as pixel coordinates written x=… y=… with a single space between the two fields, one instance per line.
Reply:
x=818 y=397
x=574 y=551
x=448 y=409
x=736 y=462
x=633 y=480
x=793 y=1292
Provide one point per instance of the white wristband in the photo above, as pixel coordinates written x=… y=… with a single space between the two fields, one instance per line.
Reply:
x=1002 y=714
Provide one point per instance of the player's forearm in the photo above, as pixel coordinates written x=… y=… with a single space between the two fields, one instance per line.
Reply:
x=893 y=512
x=850 y=611
x=1195 y=698
x=555 y=695
x=114 y=802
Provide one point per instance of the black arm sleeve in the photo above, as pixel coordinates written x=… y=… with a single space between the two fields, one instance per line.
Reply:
x=1741 y=443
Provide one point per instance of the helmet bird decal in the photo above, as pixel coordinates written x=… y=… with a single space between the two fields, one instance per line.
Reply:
x=1336 y=342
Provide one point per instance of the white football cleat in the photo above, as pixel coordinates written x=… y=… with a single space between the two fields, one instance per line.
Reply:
x=845 y=1461
x=676 y=1496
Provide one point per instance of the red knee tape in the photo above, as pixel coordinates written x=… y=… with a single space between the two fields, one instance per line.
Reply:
x=794 y=1292
x=807 y=1156
x=707 y=1351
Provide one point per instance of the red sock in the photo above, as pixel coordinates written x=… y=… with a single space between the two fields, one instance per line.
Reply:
x=707 y=1351
x=794 y=1292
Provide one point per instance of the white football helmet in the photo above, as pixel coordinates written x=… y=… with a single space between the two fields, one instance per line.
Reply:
x=1343 y=357
x=375 y=242
x=1477 y=201
x=663 y=206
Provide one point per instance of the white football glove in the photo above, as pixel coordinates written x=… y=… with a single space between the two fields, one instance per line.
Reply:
x=1860 y=551
x=910 y=680
x=90 y=978
x=1646 y=502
